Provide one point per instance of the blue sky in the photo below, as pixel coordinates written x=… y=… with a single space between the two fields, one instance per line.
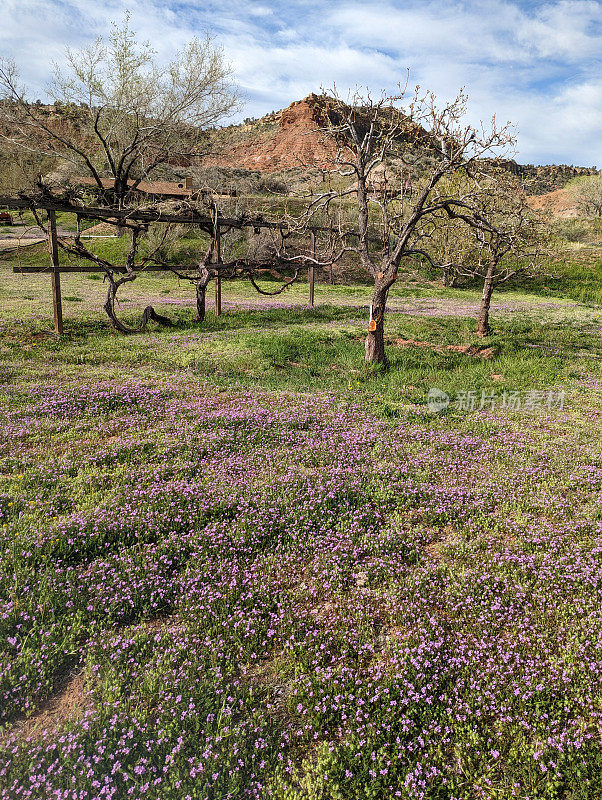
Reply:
x=537 y=64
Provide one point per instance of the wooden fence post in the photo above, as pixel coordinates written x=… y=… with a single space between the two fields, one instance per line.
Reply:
x=312 y=270
x=218 y=278
x=53 y=250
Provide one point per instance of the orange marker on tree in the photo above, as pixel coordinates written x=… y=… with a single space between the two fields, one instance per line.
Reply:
x=372 y=323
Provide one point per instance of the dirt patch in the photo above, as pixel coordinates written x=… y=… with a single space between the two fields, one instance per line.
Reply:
x=263 y=679
x=100 y=229
x=166 y=623
x=559 y=204
x=8 y=245
x=72 y=696
x=468 y=349
x=262 y=674
x=434 y=549
x=70 y=701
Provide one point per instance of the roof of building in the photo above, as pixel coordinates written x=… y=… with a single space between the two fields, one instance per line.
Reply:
x=174 y=188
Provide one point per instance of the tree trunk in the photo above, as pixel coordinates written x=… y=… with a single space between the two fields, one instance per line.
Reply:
x=201 y=291
x=488 y=286
x=148 y=314
x=375 y=341
x=449 y=279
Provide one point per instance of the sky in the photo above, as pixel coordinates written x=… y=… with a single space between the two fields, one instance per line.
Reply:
x=536 y=64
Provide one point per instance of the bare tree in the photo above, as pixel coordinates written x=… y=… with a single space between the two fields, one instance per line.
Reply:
x=587 y=192
x=397 y=159
x=128 y=116
x=496 y=239
x=508 y=239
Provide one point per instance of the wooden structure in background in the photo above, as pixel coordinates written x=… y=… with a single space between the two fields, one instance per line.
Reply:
x=212 y=225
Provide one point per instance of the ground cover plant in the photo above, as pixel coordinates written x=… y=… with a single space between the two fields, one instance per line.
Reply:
x=237 y=564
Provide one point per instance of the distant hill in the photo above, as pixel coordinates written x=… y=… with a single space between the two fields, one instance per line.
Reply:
x=283 y=140
x=541 y=179
x=287 y=140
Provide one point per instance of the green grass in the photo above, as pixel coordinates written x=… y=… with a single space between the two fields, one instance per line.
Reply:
x=302 y=349
x=243 y=536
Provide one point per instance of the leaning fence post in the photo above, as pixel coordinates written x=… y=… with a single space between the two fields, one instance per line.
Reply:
x=53 y=249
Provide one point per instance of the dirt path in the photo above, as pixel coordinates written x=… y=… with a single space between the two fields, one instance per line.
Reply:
x=13 y=243
x=69 y=700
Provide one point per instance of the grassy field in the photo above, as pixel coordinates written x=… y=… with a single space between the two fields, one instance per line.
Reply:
x=237 y=563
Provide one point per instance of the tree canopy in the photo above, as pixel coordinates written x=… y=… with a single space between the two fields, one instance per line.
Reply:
x=128 y=114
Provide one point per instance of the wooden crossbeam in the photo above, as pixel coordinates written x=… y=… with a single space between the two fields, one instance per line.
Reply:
x=36 y=270
x=204 y=221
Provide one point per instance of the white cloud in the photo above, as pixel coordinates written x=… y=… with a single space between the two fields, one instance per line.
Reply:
x=569 y=29
x=538 y=65
x=489 y=30
x=533 y=67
